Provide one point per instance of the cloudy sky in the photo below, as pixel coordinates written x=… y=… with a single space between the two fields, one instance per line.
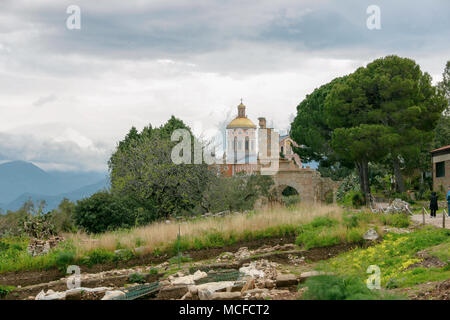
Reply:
x=68 y=96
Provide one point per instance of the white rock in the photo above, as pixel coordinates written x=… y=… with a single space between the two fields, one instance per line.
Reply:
x=371 y=235
x=110 y=295
x=206 y=290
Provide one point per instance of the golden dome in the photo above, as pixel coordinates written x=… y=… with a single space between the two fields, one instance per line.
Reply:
x=241 y=123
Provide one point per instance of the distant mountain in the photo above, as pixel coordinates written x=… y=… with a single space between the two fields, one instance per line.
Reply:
x=20 y=180
x=54 y=201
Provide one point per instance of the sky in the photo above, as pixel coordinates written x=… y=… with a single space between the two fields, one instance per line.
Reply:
x=67 y=96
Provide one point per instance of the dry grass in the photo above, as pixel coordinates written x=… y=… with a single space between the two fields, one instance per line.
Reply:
x=158 y=234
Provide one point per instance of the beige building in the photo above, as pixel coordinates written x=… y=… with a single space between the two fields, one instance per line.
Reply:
x=441 y=168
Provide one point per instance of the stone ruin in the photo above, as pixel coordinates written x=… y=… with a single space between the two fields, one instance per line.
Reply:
x=38 y=247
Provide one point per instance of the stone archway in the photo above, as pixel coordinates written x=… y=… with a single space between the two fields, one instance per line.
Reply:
x=307 y=182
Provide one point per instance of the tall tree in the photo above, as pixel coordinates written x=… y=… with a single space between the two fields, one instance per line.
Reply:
x=395 y=93
x=143 y=169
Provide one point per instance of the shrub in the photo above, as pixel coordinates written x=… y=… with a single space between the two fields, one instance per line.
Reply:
x=105 y=211
x=5 y=290
x=290 y=201
x=153 y=271
x=136 y=278
x=98 y=256
x=329 y=287
x=64 y=258
x=398 y=220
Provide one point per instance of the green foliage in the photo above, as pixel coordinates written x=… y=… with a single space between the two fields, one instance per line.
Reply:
x=5 y=290
x=329 y=287
x=353 y=199
x=142 y=168
x=39 y=226
x=393 y=256
x=398 y=220
x=153 y=271
x=104 y=211
x=63 y=217
x=291 y=201
x=98 y=256
x=136 y=278
x=318 y=233
x=181 y=259
x=236 y=193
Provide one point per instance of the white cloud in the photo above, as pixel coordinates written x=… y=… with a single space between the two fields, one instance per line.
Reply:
x=68 y=97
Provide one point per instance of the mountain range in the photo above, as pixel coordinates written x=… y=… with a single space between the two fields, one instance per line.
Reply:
x=20 y=181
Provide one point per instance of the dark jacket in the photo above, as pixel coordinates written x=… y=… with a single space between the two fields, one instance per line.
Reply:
x=433 y=202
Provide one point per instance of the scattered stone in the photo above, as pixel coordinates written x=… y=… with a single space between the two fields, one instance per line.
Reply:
x=38 y=247
x=189 y=279
x=112 y=295
x=172 y=292
x=314 y=273
x=206 y=290
x=226 y=296
x=371 y=235
x=249 y=285
x=286 y=280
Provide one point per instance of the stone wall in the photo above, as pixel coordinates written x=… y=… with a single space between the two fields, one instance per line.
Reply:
x=308 y=182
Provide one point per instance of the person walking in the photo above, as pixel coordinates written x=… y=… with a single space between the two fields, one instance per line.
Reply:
x=433 y=204
x=448 y=201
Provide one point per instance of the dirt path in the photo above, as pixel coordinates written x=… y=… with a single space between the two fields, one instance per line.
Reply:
x=437 y=222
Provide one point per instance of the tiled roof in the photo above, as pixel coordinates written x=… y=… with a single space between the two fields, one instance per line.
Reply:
x=441 y=149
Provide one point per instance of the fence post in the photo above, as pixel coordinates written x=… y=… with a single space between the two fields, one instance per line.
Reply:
x=179 y=239
x=443 y=218
x=423 y=215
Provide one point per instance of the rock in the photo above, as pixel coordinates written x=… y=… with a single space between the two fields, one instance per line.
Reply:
x=74 y=295
x=251 y=271
x=256 y=291
x=206 y=290
x=250 y=284
x=114 y=294
x=226 y=296
x=172 y=292
x=371 y=235
x=187 y=296
x=309 y=274
x=286 y=280
x=189 y=279
x=269 y=284
x=139 y=249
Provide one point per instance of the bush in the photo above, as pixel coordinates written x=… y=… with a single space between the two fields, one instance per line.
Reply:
x=290 y=201
x=5 y=290
x=136 y=278
x=353 y=199
x=105 y=211
x=98 y=256
x=328 y=287
x=398 y=220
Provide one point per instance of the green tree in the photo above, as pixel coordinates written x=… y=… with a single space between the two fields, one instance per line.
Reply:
x=62 y=217
x=104 y=211
x=392 y=99
x=143 y=169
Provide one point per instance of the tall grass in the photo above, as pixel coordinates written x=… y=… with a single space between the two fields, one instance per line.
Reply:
x=227 y=229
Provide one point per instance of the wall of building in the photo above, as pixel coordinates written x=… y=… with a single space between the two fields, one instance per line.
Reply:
x=441 y=181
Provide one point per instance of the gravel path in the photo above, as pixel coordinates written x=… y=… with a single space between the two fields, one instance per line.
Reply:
x=433 y=221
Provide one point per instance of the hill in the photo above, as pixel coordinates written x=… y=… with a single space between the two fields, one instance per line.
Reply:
x=20 y=180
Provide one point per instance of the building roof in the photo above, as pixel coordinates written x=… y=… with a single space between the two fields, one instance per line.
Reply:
x=441 y=150
x=241 y=123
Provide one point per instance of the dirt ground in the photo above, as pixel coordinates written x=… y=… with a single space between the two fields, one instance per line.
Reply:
x=437 y=222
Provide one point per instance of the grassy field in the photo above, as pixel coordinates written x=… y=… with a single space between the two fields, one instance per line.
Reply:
x=396 y=257
x=311 y=225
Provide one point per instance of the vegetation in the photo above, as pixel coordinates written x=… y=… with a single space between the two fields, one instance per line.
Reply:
x=385 y=113
x=393 y=256
x=329 y=287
